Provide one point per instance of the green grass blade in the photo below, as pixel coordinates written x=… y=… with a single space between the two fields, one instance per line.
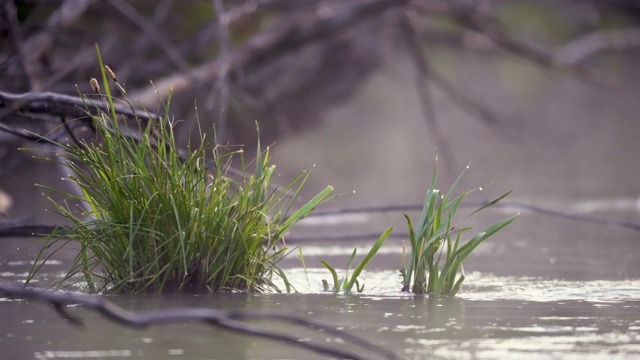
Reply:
x=346 y=273
x=492 y=202
x=467 y=248
x=456 y=287
x=307 y=208
x=107 y=89
x=453 y=187
x=304 y=266
x=334 y=274
x=374 y=250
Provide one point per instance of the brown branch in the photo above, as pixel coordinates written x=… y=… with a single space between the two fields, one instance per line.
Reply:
x=424 y=75
x=26 y=60
x=537 y=55
x=294 y=239
x=22 y=228
x=516 y=205
x=221 y=85
x=286 y=36
x=33 y=48
x=52 y=137
x=151 y=31
x=63 y=17
x=596 y=42
x=489 y=26
x=60 y=105
x=468 y=39
x=571 y=215
x=231 y=320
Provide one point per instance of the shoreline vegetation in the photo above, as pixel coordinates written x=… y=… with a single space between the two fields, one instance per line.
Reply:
x=152 y=217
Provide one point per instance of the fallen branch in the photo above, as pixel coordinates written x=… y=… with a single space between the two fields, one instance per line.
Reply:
x=59 y=105
x=517 y=205
x=23 y=229
x=231 y=320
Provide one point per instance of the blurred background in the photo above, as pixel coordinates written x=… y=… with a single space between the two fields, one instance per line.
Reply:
x=541 y=97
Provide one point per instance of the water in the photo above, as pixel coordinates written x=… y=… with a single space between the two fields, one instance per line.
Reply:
x=582 y=320
x=515 y=303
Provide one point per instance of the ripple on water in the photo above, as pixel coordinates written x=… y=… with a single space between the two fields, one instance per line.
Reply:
x=386 y=284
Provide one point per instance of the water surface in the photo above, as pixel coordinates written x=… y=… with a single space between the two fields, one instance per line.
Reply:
x=495 y=316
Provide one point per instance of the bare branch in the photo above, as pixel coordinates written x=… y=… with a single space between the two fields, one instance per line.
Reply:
x=23 y=228
x=16 y=32
x=596 y=42
x=232 y=320
x=151 y=31
x=19 y=228
x=65 y=16
x=33 y=48
x=516 y=205
x=288 y=35
x=490 y=26
x=59 y=105
x=221 y=85
x=537 y=55
x=424 y=75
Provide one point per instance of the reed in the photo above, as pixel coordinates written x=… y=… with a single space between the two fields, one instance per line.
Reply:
x=156 y=221
x=436 y=239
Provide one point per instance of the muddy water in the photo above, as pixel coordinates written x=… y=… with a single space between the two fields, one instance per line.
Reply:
x=496 y=318
x=579 y=299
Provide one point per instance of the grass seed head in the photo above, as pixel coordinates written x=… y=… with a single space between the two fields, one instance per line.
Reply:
x=110 y=73
x=94 y=85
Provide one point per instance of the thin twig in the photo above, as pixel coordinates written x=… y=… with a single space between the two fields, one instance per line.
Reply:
x=10 y=228
x=28 y=65
x=516 y=205
x=424 y=75
x=52 y=137
x=493 y=30
x=372 y=235
x=62 y=18
x=470 y=17
x=151 y=31
x=221 y=85
x=62 y=106
x=596 y=42
x=22 y=228
x=59 y=105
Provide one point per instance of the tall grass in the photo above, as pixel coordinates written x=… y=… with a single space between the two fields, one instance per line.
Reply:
x=436 y=236
x=156 y=221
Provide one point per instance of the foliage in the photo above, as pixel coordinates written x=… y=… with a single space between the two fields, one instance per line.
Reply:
x=423 y=274
x=158 y=221
x=347 y=282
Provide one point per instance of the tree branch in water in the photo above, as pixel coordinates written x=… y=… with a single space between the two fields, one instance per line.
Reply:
x=231 y=320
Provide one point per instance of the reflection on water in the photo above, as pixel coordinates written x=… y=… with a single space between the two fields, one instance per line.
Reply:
x=544 y=288
x=495 y=317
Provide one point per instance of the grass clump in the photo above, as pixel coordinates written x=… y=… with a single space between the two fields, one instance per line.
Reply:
x=156 y=221
x=435 y=232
